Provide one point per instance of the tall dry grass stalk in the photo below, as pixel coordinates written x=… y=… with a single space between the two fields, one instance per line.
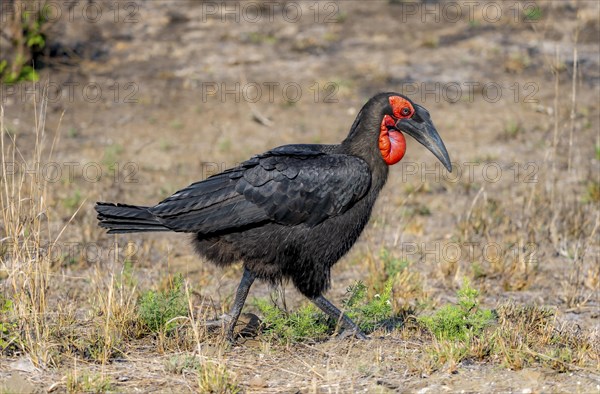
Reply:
x=26 y=237
x=573 y=112
x=574 y=223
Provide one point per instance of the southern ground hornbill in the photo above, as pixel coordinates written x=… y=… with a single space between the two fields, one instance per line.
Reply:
x=294 y=211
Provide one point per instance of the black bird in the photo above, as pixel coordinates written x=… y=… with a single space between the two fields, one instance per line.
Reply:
x=294 y=211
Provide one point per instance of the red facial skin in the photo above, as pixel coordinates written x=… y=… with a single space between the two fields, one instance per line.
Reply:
x=391 y=142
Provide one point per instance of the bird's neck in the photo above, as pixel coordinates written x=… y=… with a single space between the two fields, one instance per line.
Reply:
x=379 y=169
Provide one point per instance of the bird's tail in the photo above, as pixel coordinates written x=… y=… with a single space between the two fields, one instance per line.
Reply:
x=121 y=218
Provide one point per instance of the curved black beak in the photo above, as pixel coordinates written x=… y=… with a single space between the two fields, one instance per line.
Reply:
x=421 y=128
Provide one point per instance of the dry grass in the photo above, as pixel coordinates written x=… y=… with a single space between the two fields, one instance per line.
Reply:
x=27 y=239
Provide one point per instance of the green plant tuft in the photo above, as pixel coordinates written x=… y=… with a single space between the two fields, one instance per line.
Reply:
x=216 y=378
x=305 y=323
x=180 y=364
x=88 y=382
x=392 y=265
x=370 y=314
x=533 y=13
x=592 y=192
x=310 y=323
x=8 y=328
x=26 y=32
x=73 y=201
x=460 y=322
x=111 y=156
x=156 y=309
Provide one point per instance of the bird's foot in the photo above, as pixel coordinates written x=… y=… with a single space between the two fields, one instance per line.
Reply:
x=219 y=323
x=352 y=333
x=249 y=325
x=223 y=324
x=248 y=322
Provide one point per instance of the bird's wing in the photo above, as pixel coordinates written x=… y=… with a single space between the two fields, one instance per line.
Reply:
x=288 y=185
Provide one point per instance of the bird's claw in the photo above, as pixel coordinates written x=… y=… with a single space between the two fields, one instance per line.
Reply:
x=215 y=324
x=353 y=333
x=222 y=323
x=248 y=322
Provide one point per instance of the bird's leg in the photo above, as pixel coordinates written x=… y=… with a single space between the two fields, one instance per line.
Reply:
x=240 y=298
x=337 y=315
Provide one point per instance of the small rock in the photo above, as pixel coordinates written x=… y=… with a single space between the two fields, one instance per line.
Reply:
x=257 y=382
x=23 y=364
x=16 y=384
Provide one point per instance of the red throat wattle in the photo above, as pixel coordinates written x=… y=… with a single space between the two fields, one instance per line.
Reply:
x=391 y=142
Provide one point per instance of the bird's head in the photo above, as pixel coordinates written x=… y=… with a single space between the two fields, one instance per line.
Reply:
x=395 y=114
x=404 y=116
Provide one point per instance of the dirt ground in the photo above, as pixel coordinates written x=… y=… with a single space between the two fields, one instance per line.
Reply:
x=151 y=96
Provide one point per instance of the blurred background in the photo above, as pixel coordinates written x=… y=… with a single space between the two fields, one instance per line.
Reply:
x=130 y=101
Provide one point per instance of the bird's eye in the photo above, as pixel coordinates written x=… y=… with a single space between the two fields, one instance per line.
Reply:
x=405 y=111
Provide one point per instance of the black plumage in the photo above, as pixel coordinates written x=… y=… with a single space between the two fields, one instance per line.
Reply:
x=290 y=213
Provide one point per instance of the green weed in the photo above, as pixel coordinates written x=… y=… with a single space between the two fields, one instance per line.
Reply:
x=212 y=376
x=8 y=336
x=260 y=38
x=28 y=26
x=592 y=192
x=512 y=129
x=126 y=277
x=462 y=321
x=88 y=383
x=216 y=378
x=177 y=124
x=73 y=201
x=180 y=364
x=308 y=323
x=370 y=314
x=111 y=155
x=533 y=13
x=392 y=265
x=157 y=309
x=305 y=323
x=406 y=282
x=73 y=132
